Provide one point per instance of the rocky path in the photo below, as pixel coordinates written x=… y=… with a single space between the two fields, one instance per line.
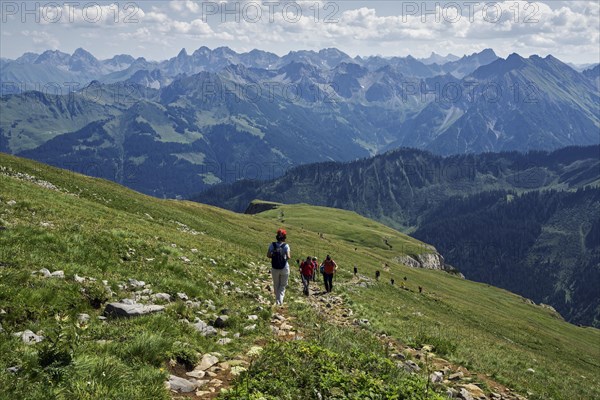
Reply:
x=214 y=373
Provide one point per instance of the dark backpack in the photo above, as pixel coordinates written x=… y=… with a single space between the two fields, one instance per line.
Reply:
x=278 y=256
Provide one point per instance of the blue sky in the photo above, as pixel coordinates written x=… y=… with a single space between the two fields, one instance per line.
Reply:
x=157 y=30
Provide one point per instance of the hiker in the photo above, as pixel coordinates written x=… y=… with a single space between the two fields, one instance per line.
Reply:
x=329 y=269
x=279 y=253
x=392 y=281
x=355 y=270
x=306 y=273
x=377 y=274
x=315 y=268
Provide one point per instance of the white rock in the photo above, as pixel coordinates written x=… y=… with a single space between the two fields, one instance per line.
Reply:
x=161 y=296
x=182 y=296
x=83 y=318
x=58 y=274
x=130 y=310
x=182 y=385
x=196 y=373
x=208 y=360
x=29 y=337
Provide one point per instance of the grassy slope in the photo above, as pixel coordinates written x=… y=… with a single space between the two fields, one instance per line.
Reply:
x=479 y=326
x=107 y=232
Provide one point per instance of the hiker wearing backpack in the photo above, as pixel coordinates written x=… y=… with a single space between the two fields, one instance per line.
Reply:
x=329 y=269
x=306 y=272
x=279 y=253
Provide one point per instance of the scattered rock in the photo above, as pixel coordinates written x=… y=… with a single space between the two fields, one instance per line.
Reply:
x=224 y=341
x=531 y=370
x=436 y=377
x=182 y=385
x=474 y=390
x=79 y=279
x=252 y=317
x=29 y=337
x=161 y=297
x=182 y=296
x=196 y=373
x=286 y=327
x=246 y=328
x=83 y=318
x=130 y=310
x=205 y=329
x=411 y=366
x=216 y=382
x=465 y=394
x=58 y=274
x=13 y=370
x=11 y=202
x=456 y=376
x=208 y=360
x=136 y=284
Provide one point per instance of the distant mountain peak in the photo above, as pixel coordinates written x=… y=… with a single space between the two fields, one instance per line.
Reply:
x=183 y=53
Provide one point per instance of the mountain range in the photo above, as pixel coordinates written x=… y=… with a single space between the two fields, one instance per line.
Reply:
x=177 y=127
x=525 y=222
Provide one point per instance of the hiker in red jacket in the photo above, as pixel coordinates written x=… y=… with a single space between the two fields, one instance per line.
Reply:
x=306 y=272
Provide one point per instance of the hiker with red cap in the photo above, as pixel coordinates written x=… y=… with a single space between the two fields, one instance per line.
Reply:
x=279 y=253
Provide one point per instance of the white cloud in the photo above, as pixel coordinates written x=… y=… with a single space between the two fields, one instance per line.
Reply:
x=42 y=40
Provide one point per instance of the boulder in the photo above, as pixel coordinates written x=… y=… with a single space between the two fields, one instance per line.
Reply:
x=130 y=310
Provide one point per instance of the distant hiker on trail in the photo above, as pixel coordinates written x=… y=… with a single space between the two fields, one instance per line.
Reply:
x=306 y=273
x=279 y=253
x=377 y=274
x=329 y=268
x=315 y=264
x=355 y=270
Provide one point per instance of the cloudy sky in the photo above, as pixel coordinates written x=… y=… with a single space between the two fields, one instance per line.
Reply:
x=158 y=30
